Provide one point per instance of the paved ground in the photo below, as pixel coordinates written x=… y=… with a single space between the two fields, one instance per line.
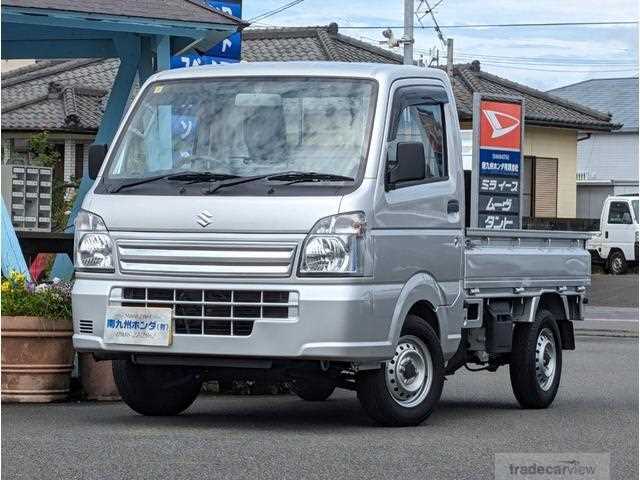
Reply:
x=282 y=437
x=614 y=290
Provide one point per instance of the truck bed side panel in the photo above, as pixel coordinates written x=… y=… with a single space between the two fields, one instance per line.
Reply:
x=526 y=258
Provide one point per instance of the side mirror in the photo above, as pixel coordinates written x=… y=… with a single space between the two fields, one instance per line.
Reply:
x=405 y=163
x=97 y=153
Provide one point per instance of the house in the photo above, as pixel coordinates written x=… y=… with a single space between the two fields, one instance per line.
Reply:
x=607 y=161
x=34 y=99
x=66 y=98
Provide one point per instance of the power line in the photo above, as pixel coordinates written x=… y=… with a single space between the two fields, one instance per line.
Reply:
x=523 y=58
x=593 y=70
x=498 y=25
x=559 y=63
x=270 y=13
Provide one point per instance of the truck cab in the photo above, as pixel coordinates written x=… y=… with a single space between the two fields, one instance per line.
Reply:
x=305 y=222
x=616 y=243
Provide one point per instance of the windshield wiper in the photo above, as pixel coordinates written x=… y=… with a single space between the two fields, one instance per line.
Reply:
x=291 y=176
x=189 y=177
x=298 y=177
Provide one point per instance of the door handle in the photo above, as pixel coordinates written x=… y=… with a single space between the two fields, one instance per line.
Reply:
x=453 y=206
x=606 y=234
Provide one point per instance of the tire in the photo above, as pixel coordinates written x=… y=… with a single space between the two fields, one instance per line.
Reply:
x=616 y=263
x=536 y=361
x=392 y=398
x=312 y=391
x=156 y=390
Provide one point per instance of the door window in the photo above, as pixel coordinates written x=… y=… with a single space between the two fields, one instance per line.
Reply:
x=421 y=119
x=619 y=213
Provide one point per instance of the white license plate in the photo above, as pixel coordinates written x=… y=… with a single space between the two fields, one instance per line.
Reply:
x=138 y=326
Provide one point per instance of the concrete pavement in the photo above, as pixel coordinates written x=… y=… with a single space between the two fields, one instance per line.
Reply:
x=608 y=321
x=282 y=437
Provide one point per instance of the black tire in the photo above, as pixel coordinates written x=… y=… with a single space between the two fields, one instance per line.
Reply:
x=312 y=391
x=156 y=390
x=523 y=368
x=616 y=263
x=377 y=400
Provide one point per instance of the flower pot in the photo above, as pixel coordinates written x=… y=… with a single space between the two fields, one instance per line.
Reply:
x=97 y=379
x=37 y=359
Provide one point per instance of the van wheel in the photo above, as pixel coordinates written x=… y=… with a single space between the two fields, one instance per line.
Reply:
x=156 y=390
x=616 y=263
x=536 y=361
x=406 y=390
x=312 y=391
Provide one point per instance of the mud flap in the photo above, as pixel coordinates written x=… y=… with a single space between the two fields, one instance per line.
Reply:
x=566 y=335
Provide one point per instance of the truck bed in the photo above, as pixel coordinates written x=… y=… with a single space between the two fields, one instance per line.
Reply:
x=537 y=259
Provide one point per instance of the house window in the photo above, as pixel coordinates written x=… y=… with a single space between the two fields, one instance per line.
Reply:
x=540 y=187
x=79 y=157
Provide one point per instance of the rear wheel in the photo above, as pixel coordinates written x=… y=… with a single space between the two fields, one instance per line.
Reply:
x=407 y=389
x=312 y=391
x=616 y=263
x=156 y=390
x=536 y=361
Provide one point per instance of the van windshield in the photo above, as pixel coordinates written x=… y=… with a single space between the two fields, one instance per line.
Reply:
x=232 y=128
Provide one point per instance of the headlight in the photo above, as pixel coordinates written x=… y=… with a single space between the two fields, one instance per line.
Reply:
x=637 y=232
x=93 y=245
x=336 y=245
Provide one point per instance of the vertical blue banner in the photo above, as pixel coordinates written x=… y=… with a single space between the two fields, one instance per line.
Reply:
x=227 y=51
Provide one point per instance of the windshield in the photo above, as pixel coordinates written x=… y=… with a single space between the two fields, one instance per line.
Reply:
x=634 y=204
x=243 y=128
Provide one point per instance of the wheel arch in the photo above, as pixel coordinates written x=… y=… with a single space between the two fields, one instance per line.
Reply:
x=556 y=304
x=421 y=296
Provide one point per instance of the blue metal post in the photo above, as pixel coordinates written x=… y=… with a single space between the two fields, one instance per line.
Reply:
x=128 y=47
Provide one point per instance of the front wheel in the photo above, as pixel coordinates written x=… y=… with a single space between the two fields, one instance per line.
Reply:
x=406 y=390
x=156 y=390
x=536 y=361
x=617 y=263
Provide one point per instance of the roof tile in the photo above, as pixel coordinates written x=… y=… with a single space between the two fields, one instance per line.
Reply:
x=37 y=110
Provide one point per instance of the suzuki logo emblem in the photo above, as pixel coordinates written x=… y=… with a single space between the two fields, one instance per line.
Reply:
x=501 y=123
x=204 y=218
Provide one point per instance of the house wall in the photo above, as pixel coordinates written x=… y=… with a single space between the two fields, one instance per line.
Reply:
x=591 y=199
x=69 y=140
x=608 y=156
x=561 y=144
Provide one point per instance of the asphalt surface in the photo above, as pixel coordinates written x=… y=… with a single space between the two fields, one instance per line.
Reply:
x=614 y=290
x=282 y=437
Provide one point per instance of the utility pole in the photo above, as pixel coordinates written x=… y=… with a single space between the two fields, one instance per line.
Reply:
x=407 y=39
x=450 y=57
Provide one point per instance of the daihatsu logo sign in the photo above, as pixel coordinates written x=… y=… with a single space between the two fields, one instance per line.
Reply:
x=204 y=218
x=501 y=123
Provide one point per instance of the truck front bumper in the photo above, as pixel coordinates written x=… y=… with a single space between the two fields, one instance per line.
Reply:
x=347 y=322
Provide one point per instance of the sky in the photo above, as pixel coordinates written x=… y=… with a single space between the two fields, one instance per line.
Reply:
x=540 y=57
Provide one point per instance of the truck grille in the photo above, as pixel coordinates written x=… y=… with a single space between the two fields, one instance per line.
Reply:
x=213 y=312
x=206 y=259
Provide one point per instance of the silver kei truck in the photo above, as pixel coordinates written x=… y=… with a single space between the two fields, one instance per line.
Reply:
x=305 y=222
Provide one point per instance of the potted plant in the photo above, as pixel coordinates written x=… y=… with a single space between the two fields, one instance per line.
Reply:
x=37 y=348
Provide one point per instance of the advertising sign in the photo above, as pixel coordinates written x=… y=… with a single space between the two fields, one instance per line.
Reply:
x=227 y=51
x=498 y=129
